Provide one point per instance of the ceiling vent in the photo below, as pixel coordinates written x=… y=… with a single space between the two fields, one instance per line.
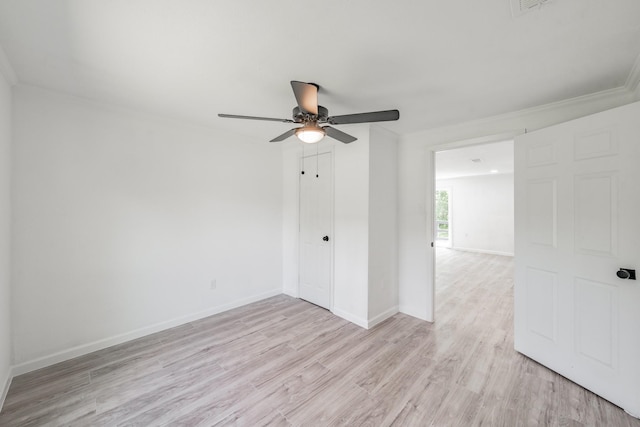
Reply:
x=518 y=7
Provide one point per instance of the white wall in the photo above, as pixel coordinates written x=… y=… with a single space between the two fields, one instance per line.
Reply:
x=415 y=216
x=5 y=235
x=121 y=222
x=351 y=227
x=481 y=217
x=290 y=216
x=416 y=280
x=383 y=225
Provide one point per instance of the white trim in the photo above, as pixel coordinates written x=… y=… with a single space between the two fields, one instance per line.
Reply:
x=382 y=317
x=81 y=350
x=6 y=69
x=480 y=140
x=431 y=233
x=356 y=320
x=618 y=96
x=7 y=384
x=482 y=251
x=565 y=103
x=411 y=311
x=291 y=292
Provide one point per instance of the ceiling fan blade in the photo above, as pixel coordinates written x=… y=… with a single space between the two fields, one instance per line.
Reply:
x=269 y=119
x=339 y=135
x=375 y=116
x=284 y=136
x=306 y=95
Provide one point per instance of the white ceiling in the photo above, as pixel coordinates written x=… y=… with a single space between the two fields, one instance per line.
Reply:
x=486 y=159
x=438 y=62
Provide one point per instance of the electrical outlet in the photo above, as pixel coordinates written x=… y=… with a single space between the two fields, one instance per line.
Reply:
x=213 y=284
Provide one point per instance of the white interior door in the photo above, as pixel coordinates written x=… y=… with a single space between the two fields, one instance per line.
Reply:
x=316 y=209
x=577 y=204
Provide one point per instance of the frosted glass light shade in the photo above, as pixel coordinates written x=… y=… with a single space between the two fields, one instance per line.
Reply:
x=310 y=134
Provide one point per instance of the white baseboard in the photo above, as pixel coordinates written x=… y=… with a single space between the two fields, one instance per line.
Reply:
x=81 y=350
x=413 y=312
x=291 y=292
x=483 y=251
x=357 y=320
x=382 y=317
x=6 y=383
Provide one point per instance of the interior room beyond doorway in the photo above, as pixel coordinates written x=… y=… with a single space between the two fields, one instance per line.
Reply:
x=474 y=198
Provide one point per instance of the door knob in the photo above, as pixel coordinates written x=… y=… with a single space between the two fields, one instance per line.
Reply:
x=325 y=238
x=626 y=273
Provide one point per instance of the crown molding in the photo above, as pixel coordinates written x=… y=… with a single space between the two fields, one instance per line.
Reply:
x=6 y=69
x=608 y=98
x=591 y=98
x=617 y=96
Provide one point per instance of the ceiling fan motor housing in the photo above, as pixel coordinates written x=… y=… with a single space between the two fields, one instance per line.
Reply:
x=300 y=117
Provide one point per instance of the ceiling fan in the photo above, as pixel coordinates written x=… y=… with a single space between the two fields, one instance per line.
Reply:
x=311 y=116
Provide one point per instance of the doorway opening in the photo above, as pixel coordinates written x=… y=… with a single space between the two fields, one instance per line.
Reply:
x=473 y=211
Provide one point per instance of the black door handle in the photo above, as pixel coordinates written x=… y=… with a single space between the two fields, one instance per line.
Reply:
x=325 y=238
x=626 y=273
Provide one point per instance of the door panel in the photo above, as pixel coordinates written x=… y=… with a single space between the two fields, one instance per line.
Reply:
x=541 y=212
x=596 y=219
x=542 y=316
x=596 y=320
x=577 y=222
x=316 y=210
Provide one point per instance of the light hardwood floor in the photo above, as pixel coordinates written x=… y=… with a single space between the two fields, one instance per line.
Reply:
x=283 y=361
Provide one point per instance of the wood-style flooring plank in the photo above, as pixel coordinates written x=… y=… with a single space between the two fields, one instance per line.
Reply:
x=285 y=362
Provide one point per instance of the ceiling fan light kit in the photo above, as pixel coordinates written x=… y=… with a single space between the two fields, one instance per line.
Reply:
x=310 y=134
x=311 y=115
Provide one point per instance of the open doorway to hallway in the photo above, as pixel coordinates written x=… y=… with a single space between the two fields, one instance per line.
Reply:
x=474 y=223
